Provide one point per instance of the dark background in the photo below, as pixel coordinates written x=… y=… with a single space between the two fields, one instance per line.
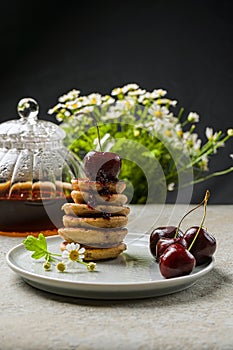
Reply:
x=185 y=47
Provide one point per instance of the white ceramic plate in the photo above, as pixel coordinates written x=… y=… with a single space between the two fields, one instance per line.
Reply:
x=132 y=275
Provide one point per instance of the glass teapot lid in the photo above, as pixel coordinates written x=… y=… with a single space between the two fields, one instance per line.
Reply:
x=34 y=164
x=29 y=128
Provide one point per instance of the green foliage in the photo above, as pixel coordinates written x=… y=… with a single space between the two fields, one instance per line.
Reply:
x=160 y=151
x=140 y=153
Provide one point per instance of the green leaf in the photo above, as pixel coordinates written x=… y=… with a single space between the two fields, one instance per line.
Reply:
x=38 y=255
x=36 y=245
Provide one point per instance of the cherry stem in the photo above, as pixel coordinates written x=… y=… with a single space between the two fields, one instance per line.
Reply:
x=190 y=211
x=202 y=221
x=98 y=135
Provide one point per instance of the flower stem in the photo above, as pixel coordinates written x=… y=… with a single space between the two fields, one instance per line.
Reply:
x=54 y=254
x=181 y=111
x=212 y=147
x=202 y=221
x=98 y=135
x=190 y=211
x=217 y=173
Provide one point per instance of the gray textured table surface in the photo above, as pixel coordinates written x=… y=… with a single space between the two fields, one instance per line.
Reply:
x=200 y=317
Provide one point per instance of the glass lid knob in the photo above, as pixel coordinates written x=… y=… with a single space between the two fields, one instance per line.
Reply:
x=28 y=108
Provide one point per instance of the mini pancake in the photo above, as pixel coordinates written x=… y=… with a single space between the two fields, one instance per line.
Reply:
x=93 y=254
x=85 y=210
x=109 y=222
x=93 y=237
x=86 y=185
x=113 y=199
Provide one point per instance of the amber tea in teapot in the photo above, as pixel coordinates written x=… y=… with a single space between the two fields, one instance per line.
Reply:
x=35 y=173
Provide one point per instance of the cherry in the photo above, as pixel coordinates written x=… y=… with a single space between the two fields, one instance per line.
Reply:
x=178 y=256
x=204 y=246
x=176 y=261
x=164 y=242
x=159 y=232
x=102 y=166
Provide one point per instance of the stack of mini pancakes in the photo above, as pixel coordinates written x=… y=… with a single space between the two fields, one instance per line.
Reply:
x=97 y=219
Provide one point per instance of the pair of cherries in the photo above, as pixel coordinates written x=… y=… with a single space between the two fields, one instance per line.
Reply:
x=178 y=253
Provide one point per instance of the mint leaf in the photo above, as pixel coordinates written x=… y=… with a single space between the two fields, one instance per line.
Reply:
x=36 y=245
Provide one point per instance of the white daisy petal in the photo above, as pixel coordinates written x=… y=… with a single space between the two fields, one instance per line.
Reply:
x=81 y=257
x=68 y=247
x=65 y=254
x=209 y=133
x=193 y=117
x=82 y=250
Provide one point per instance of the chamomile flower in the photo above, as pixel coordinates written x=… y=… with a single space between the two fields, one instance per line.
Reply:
x=230 y=132
x=168 y=133
x=71 y=95
x=193 y=117
x=47 y=266
x=73 y=253
x=67 y=113
x=116 y=91
x=86 y=110
x=159 y=93
x=107 y=100
x=204 y=163
x=61 y=266
x=94 y=99
x=192 y=140
x=166 y=101
x=56 y=108
x=72 y=105
x=112 y=114
x=129 y=87
x=91 y=266
x=171 y=186
x=125 y=104
x=137 y=92
x=158 y=111
x=179 y=130
x=144 y=98
x=124 y=89
x=210 y=134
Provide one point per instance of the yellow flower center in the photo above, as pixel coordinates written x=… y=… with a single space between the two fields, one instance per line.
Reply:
x=61 y=267
x=93 y=101
x=168 y=133
x=74 y=105
x=73 y=255
x=180 y=133
x=158 y=114
x=190 y=143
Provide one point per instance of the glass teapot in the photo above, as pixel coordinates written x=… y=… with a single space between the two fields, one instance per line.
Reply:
x=35 y=173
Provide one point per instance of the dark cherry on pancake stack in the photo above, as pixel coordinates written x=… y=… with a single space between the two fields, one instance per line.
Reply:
x=98 y=217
